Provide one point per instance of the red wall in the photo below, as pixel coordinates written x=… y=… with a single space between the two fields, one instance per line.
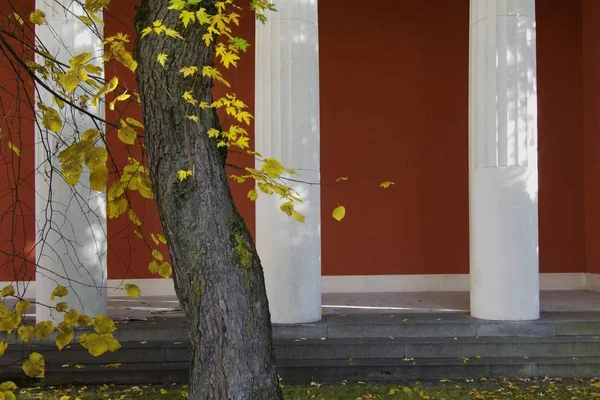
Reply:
x=591 y=108
x=394 y=107
x=394 y=98
x=17 y=206
x=560 y=129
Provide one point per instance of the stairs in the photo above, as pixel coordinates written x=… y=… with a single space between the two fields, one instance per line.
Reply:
x=368 y=347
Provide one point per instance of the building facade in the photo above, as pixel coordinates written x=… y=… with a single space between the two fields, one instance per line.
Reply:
x=485 y=114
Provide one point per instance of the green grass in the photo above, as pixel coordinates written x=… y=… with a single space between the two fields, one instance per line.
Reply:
x=487 y=389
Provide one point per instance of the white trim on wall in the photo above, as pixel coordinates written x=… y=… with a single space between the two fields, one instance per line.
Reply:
x=438 y=282
x=593 y=282
x=361 y=284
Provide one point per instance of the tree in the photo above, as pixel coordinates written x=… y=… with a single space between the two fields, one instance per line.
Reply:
x=217 y=272
x=184 y=140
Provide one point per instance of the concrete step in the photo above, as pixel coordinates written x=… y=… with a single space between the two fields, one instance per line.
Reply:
x=419 y=348
x=149 y=352
x=365 y=326
x=306 y=371
x=389 y=370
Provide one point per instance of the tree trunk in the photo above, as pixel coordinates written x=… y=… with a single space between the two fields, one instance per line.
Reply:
x=217 y=273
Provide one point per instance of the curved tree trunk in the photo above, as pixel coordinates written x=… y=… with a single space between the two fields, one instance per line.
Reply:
x=217 y=273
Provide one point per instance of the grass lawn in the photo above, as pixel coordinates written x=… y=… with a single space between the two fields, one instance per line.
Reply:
x=562 y=389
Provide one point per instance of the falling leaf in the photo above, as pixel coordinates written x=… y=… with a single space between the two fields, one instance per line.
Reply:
x=339 y=213
x=386 y=184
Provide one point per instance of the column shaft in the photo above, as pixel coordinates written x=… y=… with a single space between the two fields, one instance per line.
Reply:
x=71 y=239
x=287 y=128
x=503 y=176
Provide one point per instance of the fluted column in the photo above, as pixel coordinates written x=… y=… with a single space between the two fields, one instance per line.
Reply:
x=70 y=221
x=287 y=128
x=503 y=176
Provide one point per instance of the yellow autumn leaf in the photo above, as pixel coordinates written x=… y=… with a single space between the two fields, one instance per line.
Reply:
x=117 y=207
x=163 y=391
x=184 y=174
x=84 y=320
x=121 y=97
x=134 y=218
x=104 y=324
x=90 y=134
x=8 y=290
x=193 y=118
x=43 y=329
x=134 y=122
x=86 y=20
x=95 y=157
x=154 y=266
x=133 y=290
x=162 y=238
x=157 y=254
x=116 y=190
x=72 y=170
x=59 y=291
x=70 y=318
x=186 y=17
x=339 y=213
x=99 y=178
x=162 y=59
x=165 y=270
x=113 y=365
x=188 y=71
x=98 y=344
x=18 y=18
x=343 y=178
x=287 y=208
x=62 y=306
x=3 y=347
x=297 y=216
x=63 y=339
x=145 y=186
x=34 y=366
x=52 y=120
x=14 y=148
x=127 y=134
x=253 y=195
x=107 y=88
x=8 y=386
x=22 y=306
x=386 y=184
x=272 y=168
x=37 y=17
x=26 y=333
x=72 y=78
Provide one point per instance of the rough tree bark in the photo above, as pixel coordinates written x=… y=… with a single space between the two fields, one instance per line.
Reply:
x=217 y=273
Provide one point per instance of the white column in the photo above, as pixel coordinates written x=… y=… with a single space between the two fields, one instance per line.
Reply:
x=287 y=128
x=503 y=177
x=70 y=221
